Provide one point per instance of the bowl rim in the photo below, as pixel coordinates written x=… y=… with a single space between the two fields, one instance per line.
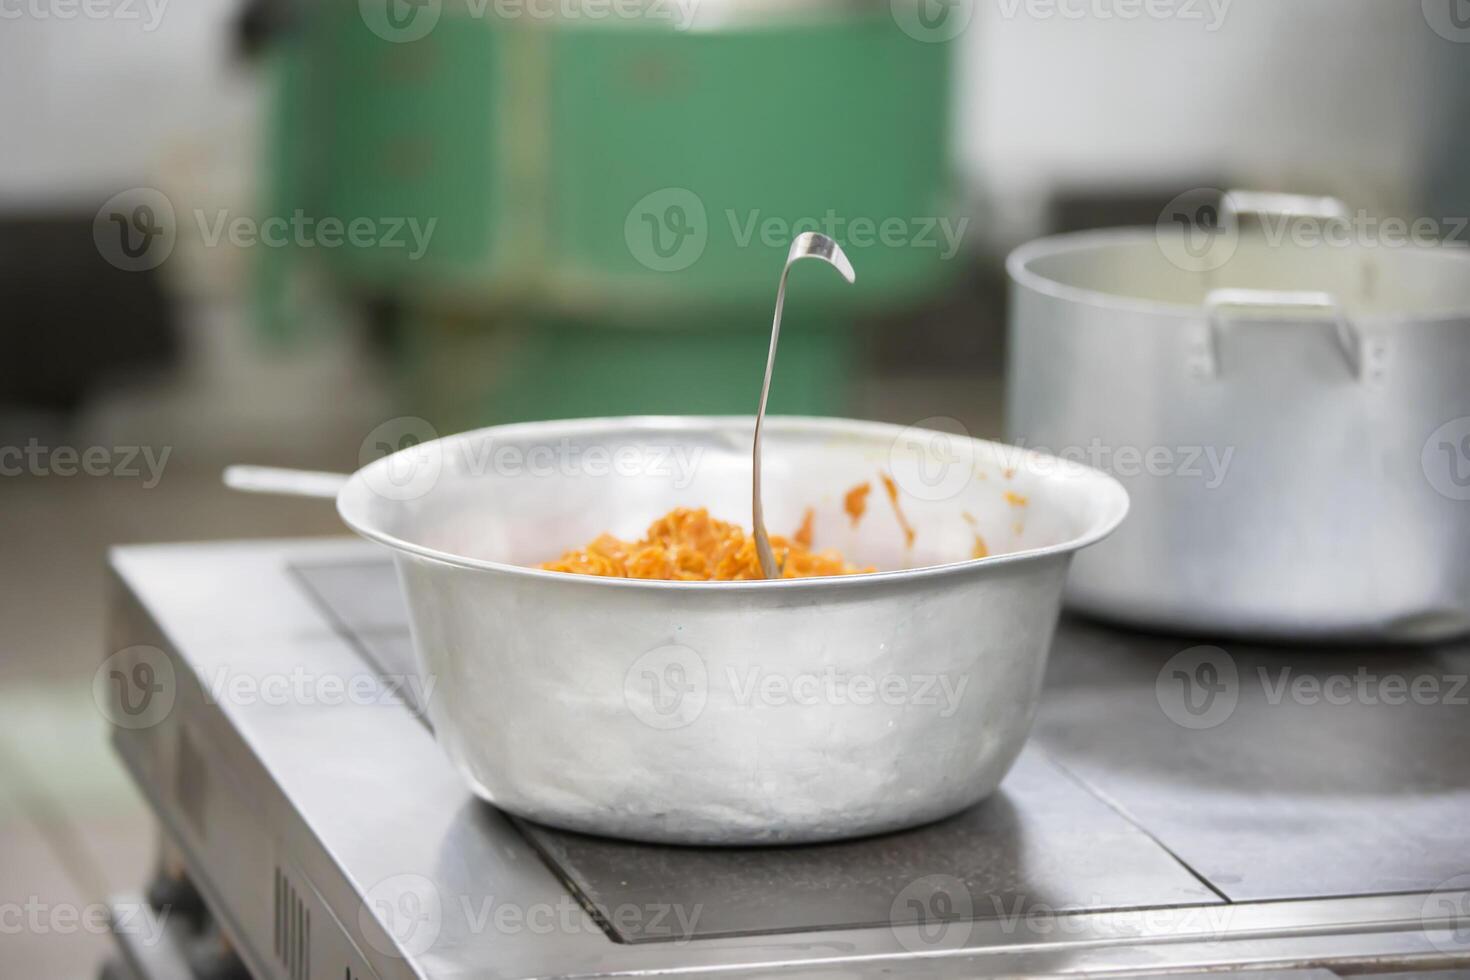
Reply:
x=1112 y=497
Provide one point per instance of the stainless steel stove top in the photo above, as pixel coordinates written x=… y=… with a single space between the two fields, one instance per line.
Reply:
x=1175 y=811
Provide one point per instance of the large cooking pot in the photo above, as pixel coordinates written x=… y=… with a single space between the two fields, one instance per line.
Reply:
x=726 y=712
x=1290 y=414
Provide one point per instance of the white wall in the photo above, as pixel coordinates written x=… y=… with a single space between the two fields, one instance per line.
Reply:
x=1335 y=95
x=93 y=102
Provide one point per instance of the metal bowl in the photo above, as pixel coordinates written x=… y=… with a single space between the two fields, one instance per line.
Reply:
x=719 y=712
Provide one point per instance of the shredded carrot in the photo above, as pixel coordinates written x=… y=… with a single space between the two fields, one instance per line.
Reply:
x=687 y=544
x=903 y=522
x=856 y=502
x=803 y=535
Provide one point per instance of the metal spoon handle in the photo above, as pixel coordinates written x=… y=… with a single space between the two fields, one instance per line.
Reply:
x=286 y=483
x=808 y=245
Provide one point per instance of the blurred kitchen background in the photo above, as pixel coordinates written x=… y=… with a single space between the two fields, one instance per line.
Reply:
x=542 y=211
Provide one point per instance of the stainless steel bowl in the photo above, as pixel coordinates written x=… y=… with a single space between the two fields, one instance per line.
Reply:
x=730 y=713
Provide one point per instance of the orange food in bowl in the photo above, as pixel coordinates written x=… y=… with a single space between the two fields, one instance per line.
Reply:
x=687 y=544
x=856 y=502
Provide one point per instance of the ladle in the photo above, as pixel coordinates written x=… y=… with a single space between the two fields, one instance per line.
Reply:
x=808 y=245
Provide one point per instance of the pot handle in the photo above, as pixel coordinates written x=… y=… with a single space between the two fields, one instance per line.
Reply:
x=1237 y=202
x=1218 y=301
x=284 y=482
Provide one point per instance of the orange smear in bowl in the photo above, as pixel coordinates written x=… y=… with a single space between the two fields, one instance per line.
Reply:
x=903 y=522
x=981 y=549
x=856 y=502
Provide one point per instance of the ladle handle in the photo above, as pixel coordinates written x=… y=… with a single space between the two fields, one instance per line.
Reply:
x=807 y=245
x=284 y=482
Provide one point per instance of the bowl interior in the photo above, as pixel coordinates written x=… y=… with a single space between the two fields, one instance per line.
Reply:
x=524 y=494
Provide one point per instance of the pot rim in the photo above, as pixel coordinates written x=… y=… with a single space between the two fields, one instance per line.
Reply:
x=1020 y=272
x=1109 y=492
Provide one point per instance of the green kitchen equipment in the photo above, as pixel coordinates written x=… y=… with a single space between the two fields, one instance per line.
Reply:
x=609 y=198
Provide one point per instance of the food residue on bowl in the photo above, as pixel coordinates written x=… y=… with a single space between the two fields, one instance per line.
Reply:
x=1015 y=499
x=687 y=544
x=980 y=550
x=903 y=522
x=856 y=502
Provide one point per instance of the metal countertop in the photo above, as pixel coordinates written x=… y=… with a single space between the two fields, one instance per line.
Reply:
x=1159 y=820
